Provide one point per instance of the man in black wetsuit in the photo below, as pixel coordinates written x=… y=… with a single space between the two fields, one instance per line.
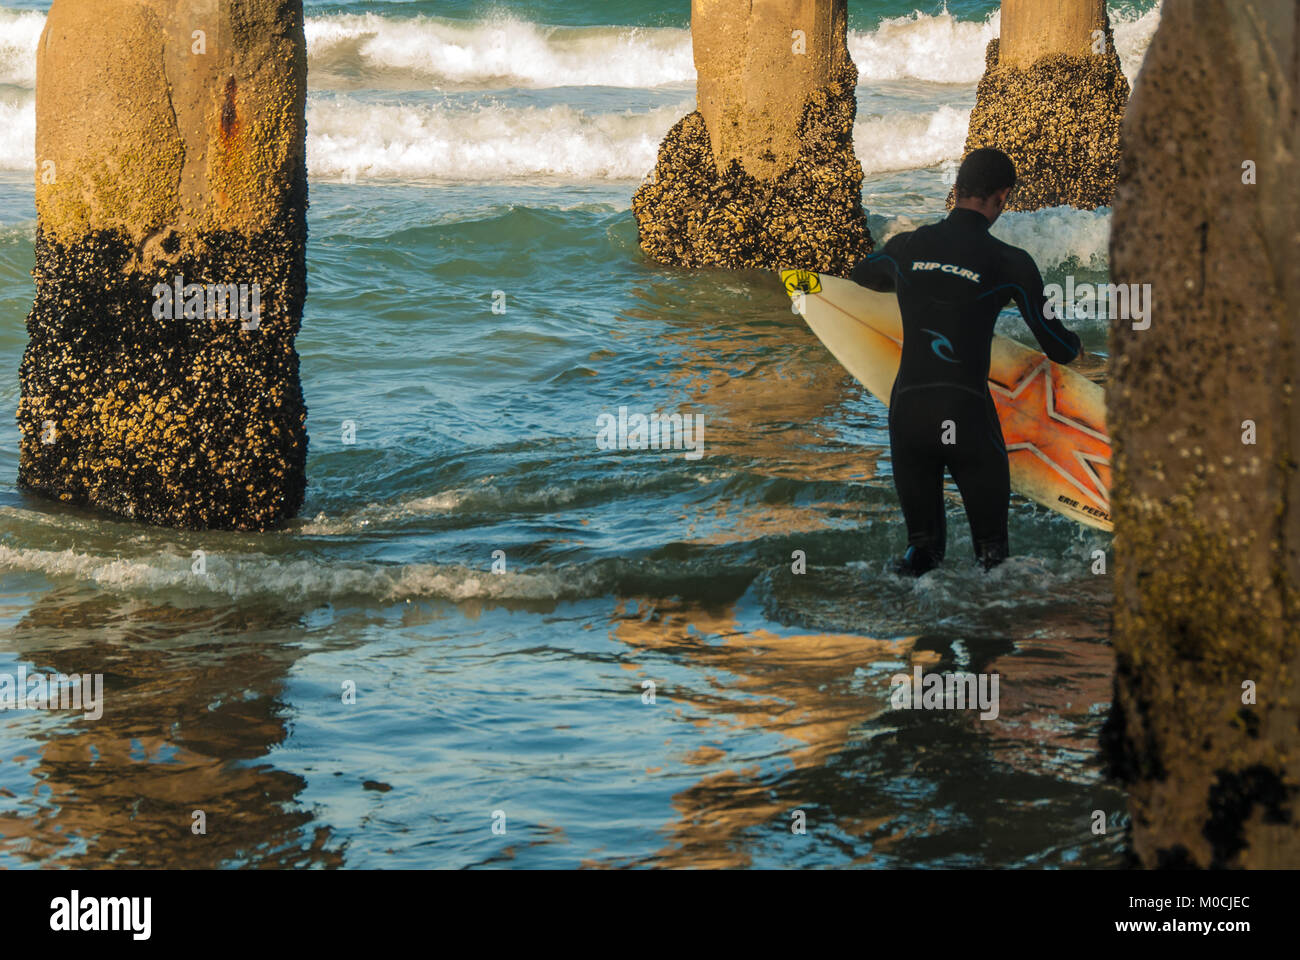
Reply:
x=952 y=279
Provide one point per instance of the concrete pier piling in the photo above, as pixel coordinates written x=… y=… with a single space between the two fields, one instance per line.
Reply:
x=1052 y=98
x=160 y=382
x=763 y=173
x=1205 y=725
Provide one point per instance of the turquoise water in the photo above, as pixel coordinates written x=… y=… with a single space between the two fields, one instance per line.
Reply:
x=470 y=154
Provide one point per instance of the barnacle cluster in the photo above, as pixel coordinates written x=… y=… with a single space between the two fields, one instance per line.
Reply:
x=189 y=422
x=1059 y=122
x=811 y=215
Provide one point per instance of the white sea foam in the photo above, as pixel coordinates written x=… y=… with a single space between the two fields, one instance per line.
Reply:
x=351 y=49
x=908 y=141
x=355 y=140
x=19 y=32
x=18 y=123
x=251 y=575
x=349 y=139
x=1132 y=37
x=943 y=49
x=1059 y=235
x=939 y=48
x=502 y=51
x=1055 y=237
x=935 y=48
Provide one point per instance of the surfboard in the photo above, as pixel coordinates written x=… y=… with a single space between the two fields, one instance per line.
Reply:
x=1053 y=419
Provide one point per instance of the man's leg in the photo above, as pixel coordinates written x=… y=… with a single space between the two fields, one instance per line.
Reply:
x=918 y=478
x=980 y=468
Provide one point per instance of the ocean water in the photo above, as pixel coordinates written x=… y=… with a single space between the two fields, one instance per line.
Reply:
x=470 y=154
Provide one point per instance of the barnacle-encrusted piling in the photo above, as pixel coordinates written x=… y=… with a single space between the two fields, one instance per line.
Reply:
x=160 y=381
x=1052 y=98
x=1205 y=724
x=763 y=173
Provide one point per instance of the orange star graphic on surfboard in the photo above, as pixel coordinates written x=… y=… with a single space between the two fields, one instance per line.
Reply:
x=1070 y=448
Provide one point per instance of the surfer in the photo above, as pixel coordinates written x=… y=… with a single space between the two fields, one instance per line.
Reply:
x=952 y=279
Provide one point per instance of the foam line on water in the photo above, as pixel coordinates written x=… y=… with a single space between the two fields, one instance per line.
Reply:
x=252 y=575
x=355 y=140
x=503 y=51
x=350 y=139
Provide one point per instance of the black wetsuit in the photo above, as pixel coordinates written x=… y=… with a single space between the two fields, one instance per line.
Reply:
x=952 y=279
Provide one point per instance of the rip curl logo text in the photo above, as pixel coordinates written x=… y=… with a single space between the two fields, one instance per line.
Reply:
x=922 y=266
x=941 y=346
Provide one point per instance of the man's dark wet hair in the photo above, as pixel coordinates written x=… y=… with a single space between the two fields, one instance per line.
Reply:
x=984 y=172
